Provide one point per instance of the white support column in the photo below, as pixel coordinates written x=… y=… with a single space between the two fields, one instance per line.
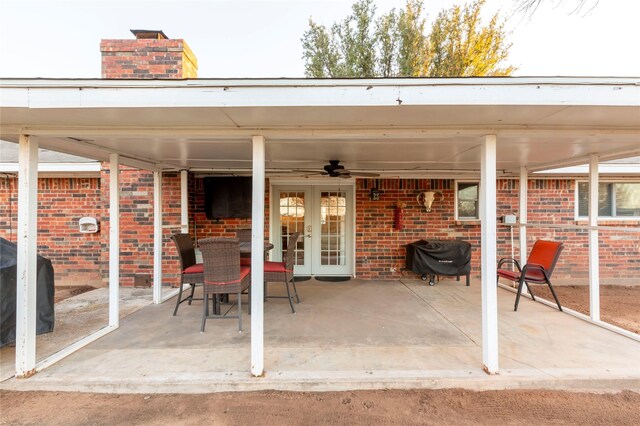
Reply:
x=184 y=201
x=27 y=260
x=489 y=252
x=524 y=195
x=157 y=237
x=594 y=256
x=114 y=240
x=257 y=258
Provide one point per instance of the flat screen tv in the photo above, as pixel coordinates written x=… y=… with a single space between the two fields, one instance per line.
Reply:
x=227 y=197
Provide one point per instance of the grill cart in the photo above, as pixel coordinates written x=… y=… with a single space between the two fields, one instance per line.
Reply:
x=433 y=258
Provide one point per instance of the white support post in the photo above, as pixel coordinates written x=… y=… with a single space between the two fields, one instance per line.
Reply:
x=157 y=237
x=489 y=252
x=27 y=260
x=184 y=201
x=257 y=258
x=524 y=194
x=114 y=240
x=594 y=256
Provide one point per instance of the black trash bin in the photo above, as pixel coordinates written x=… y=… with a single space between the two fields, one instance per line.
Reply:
x=431 y=258
x=45 y=317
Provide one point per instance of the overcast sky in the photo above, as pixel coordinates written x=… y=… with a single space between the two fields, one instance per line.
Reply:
x=262 y=38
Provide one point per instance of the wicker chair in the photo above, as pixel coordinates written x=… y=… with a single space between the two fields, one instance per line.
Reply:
x=283 y=272
x=191 y=273
x=244 y=235
x=223 y=275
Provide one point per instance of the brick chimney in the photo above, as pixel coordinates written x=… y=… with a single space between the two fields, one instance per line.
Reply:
x=150 y=55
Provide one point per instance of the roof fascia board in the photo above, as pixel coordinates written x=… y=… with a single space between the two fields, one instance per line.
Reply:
x=311 y=82
x=355 y=134
x=335 y=95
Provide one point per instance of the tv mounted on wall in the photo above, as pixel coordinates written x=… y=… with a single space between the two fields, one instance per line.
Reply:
x=227 y=197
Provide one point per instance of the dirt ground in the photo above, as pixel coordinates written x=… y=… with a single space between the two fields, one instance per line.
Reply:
x=65 y=292
x=412 y=407
x=619 y=305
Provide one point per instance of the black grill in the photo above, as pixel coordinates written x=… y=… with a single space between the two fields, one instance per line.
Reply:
x=433 y=258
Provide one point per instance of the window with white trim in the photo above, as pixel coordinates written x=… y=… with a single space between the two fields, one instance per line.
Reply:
x=467 y=200
x=615 y=199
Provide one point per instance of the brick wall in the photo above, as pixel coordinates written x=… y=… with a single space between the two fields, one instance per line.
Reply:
x=148 y=58
x=136 y=224
x=61 y=204
x=379 y=247
x=80 y=258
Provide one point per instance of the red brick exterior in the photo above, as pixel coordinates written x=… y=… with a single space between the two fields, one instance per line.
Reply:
x=136 y=224
x=61 y=204
x=379 y=247
x=147 y=58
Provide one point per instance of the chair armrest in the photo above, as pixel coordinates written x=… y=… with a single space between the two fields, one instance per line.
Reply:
x=530 y=266
x=509 y=260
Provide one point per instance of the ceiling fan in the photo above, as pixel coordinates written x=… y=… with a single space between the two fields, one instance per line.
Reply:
x=335 y=169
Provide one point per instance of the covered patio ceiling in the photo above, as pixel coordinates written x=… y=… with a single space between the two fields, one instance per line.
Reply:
x=395 y=127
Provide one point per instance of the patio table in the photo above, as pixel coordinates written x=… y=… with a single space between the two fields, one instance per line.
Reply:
x=245 y=247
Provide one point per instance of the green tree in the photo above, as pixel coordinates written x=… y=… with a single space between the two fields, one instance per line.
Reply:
x=395 y=44
x=461 y=47
x=347 y=50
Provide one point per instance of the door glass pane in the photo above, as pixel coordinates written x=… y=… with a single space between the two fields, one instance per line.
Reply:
x=292 y=220
x=333 y=239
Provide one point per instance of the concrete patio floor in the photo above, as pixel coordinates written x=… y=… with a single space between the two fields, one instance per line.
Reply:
x=351 y=335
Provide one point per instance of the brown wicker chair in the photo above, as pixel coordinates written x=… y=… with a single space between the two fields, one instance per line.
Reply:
x=223 y=275
x=283 y=271
x=191 y=273
x=244 y=235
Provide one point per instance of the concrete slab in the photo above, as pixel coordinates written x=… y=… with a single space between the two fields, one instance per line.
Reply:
x=77 y=317
x=351 y=335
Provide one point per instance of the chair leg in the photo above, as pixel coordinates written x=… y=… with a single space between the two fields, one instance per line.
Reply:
x=240 y=311
x=286 y=283
x=554 y=296
x=264 y=291
x=193 y=290
x=520 y=284
x=205 y=308
x=295 y=290
x=533 y=297
x=175 y=311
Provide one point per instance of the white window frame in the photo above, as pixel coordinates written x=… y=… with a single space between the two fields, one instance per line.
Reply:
x=455 y=204
x=576 y=204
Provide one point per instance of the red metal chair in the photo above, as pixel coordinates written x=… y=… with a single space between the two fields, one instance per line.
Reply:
x=538 y=270
x=191 y=273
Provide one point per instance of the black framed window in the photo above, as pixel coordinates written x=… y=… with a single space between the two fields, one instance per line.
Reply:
x=467 y=194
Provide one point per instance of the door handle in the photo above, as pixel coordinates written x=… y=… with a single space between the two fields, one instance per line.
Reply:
x=308 y=231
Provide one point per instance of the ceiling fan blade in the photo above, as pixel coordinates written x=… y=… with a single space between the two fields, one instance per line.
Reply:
x=344 y=176
x=364 y=174
x=317 y=172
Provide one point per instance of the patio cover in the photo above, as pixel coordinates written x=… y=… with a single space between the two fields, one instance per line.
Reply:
x=422 y=127
x=399 y=127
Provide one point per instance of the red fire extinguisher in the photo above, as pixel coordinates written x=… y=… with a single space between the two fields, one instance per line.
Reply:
x=398 y=216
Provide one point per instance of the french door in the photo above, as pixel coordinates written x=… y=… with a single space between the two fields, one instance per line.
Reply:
x=323 y=214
